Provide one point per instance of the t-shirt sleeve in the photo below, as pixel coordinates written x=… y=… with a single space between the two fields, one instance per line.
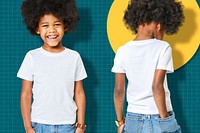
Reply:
x=165 y=61
x=118 y=63
x=80 y=73
x=26 y=69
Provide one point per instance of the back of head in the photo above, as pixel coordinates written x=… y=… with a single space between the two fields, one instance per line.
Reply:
x=33 y=10
x=168 y=13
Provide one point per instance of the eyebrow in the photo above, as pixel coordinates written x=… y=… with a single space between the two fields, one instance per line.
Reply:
x=54 y=22
x=57 y=21
x=44 y=23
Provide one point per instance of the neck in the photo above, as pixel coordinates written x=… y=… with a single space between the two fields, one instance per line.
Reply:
x=144 y=32
x=149 y=31
x=54 y=49
x=143 y=37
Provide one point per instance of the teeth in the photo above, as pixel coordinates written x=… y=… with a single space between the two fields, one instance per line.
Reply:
x=52 y=37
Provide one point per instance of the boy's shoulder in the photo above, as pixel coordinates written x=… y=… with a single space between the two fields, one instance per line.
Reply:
x=71 y=51
x=162 y=42
x=33 y=51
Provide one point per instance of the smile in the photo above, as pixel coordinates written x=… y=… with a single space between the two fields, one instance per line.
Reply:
x=52 y=36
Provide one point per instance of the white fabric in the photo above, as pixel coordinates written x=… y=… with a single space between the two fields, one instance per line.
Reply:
x=139 y=60
x=53 y=76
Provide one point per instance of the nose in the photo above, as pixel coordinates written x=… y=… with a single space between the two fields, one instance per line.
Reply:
x=52 y=30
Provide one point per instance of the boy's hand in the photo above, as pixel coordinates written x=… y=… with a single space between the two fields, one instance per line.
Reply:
x=164 y=115
x=30 y=130
x=120 y=128
x=79 y=130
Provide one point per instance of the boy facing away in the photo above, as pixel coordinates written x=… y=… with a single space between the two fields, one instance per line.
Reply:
x=52 y=74
x=145 y=61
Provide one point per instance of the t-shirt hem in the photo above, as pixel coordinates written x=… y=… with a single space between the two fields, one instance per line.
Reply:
x=53 y=122
x=24 y=77
x=78 y=79
x=167 y=69
x=114 y=70
x=146 y=111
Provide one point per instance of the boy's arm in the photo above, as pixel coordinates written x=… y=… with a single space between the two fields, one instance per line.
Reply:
x=159 y=92
x=26 y=98
x=119 y=92
x=79 y=97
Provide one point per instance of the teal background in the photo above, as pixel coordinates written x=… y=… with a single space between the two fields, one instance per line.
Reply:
x=91 y=41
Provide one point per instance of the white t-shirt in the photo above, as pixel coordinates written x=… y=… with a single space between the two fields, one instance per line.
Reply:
x=53 y=76
x=139 y=60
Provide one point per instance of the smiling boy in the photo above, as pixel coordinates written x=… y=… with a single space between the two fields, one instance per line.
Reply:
x=52 y=74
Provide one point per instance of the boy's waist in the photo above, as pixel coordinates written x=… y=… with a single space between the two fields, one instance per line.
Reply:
x=146 y=116
x=146 y=109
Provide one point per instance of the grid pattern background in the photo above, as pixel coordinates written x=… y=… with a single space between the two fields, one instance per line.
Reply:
x=91 y=41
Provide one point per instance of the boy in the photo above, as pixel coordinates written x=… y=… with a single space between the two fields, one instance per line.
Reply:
x=52 y=74
x=145 y=62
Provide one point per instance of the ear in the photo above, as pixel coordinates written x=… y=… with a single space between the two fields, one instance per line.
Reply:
x=37 y=31
x=158 y=26
x=66 y=29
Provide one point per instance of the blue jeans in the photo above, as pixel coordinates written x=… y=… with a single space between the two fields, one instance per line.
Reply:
x=139 y=123
x=44 y=128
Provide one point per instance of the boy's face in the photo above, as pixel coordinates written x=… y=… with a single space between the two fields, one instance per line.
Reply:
x=51 y=30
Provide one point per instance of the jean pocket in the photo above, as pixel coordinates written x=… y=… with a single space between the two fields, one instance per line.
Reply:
x=168 y=124
x=35 y=125
x=132 y=116
x=72 y=126
x=68 y=128
x=133 y=123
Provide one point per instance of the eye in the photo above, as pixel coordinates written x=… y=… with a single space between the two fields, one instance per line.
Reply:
x=45 y=25
x=58 y=24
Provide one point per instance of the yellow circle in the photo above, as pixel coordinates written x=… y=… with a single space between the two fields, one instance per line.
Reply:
x=184 y=44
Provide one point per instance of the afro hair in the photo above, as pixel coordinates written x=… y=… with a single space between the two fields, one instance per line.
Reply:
x=33 y=10
x=166 y=12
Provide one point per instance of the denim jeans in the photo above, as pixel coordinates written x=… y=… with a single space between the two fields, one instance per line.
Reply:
x=44 y=128
x=139 y=123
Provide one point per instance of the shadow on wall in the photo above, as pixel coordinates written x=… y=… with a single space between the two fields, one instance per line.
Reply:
x=180 y=76
x=198 y=1
x=90 y=85
x=83 y=31
x=189 y=28
x=81 y=38
x=177 y=100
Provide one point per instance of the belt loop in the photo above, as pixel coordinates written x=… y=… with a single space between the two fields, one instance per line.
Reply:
x=148 y=116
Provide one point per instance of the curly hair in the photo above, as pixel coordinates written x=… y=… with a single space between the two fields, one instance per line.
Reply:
x=33 y=10
x=166 y=12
